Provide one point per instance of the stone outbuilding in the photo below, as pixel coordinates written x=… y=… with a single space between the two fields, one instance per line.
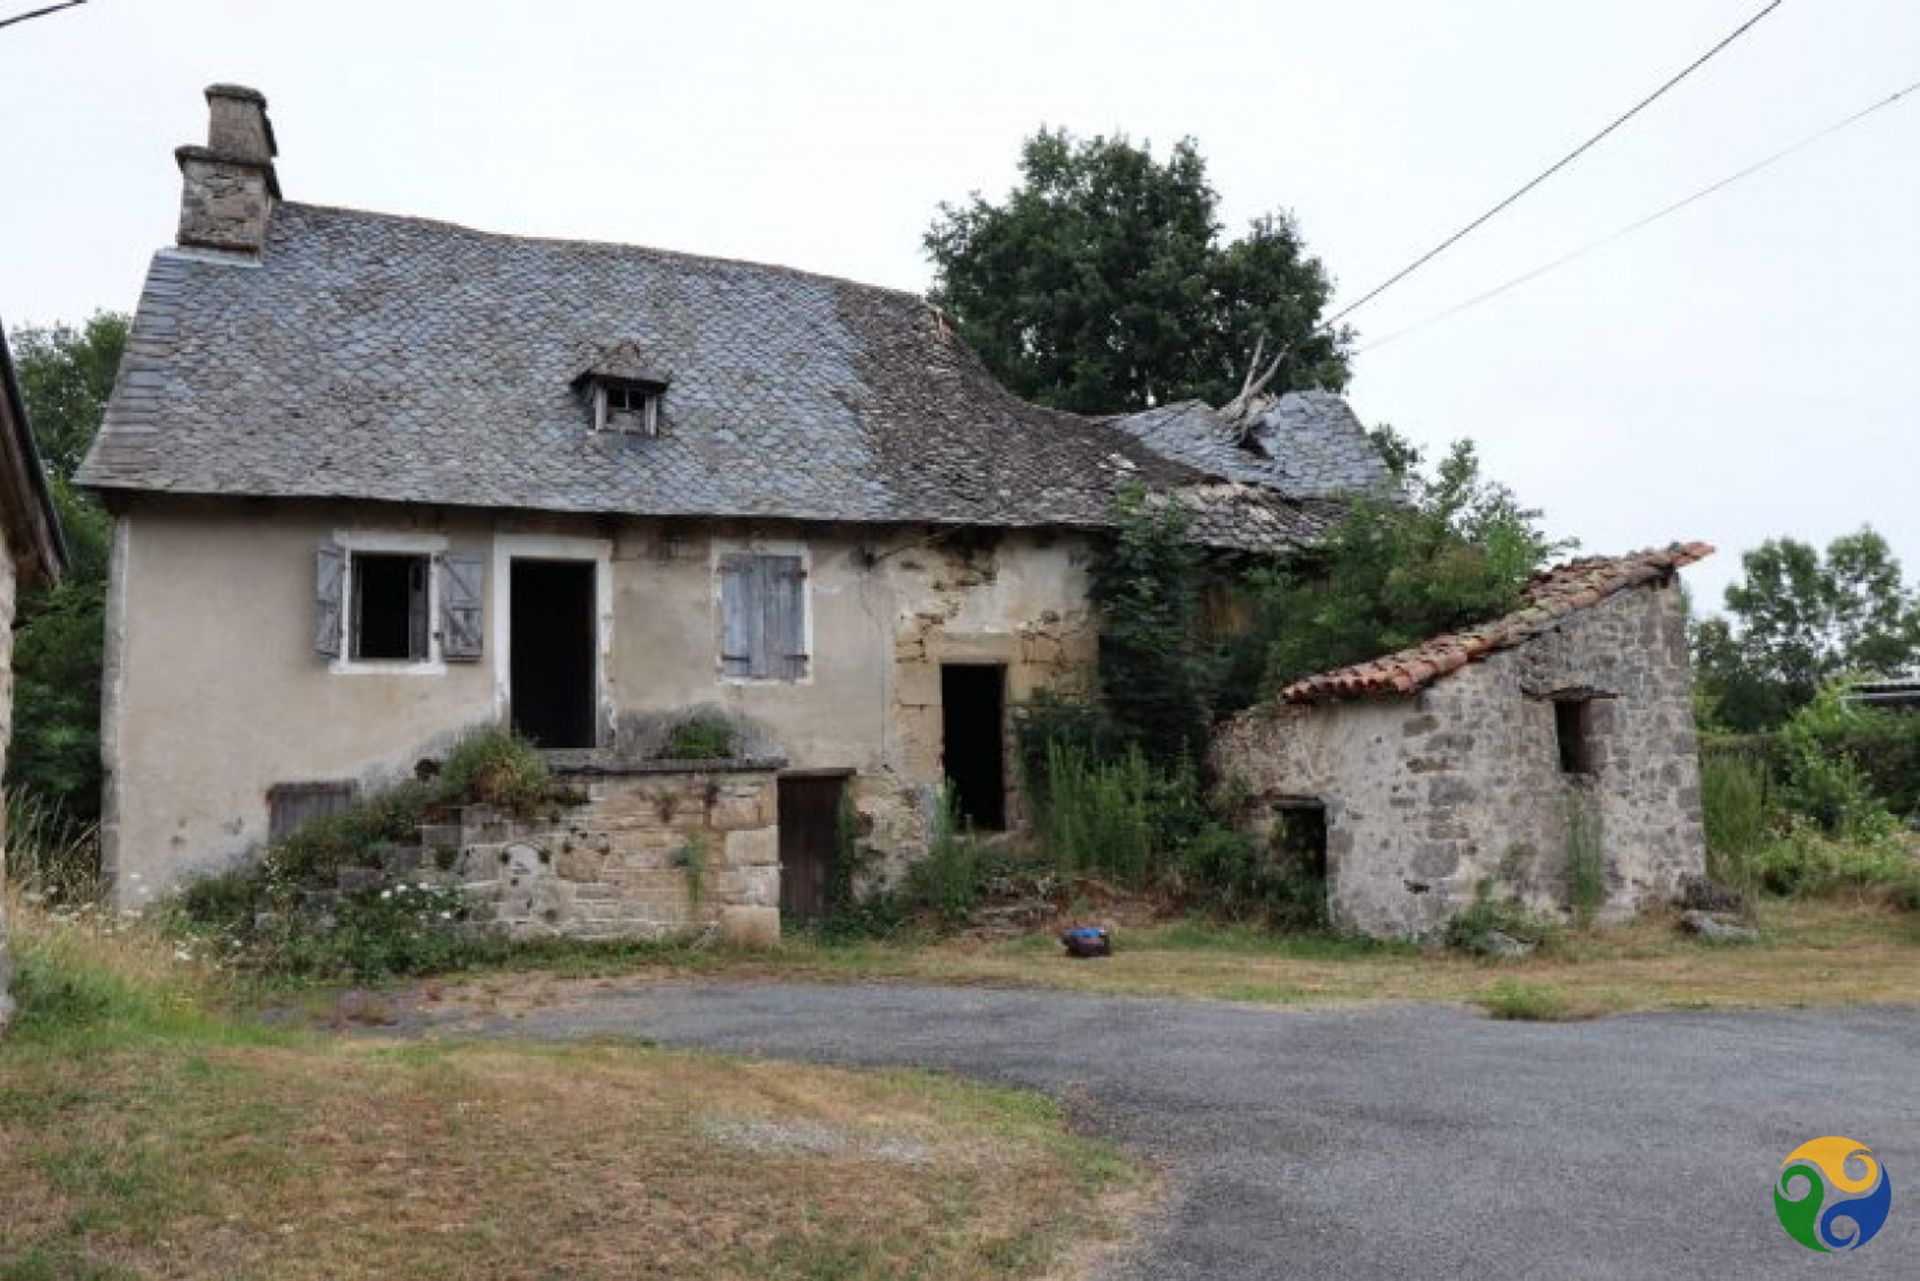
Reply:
x=1493 y=755
x=32 y=554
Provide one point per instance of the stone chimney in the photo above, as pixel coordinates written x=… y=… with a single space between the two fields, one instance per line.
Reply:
x=229 y=185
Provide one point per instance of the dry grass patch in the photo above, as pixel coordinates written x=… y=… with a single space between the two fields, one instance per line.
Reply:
x=183 y=1145
x=1814 y=953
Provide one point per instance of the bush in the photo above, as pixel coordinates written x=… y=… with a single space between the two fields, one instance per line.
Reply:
x=1220 y=869
x=313 y=856
x=706 y=735
x=1807 y=862
x=496 y=767
x=372 y=934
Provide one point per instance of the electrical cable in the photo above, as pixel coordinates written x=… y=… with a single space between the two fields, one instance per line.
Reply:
x=1664 y=212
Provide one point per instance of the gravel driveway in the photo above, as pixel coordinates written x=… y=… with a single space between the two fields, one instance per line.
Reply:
x=1390 y=1141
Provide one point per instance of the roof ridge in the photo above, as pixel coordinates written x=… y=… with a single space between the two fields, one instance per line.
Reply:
x=625 y=246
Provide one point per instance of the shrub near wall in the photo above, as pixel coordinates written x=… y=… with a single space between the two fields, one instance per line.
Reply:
x=1885 y=747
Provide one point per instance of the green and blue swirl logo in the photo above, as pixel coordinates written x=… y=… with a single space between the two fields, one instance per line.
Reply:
x=1832 y=1194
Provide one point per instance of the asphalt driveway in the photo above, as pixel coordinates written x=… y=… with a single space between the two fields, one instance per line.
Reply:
x=1402 y=1141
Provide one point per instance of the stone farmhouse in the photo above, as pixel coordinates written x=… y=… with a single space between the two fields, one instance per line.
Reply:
x=1485 y=756
x=32 y=554
x=378 y=481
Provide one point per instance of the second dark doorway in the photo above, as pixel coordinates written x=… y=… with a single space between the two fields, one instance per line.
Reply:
x=552 y=652
x=973 y=707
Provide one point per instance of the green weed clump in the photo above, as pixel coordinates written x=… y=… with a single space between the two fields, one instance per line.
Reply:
x=691 y=858
x=1586 y=861
x=1737 y=807
x=950 y=881
x=1476 y=927
x=1525 y=1002
x=495 y=767
x=1808 y=863
x=706 y=735
x=1096 y=816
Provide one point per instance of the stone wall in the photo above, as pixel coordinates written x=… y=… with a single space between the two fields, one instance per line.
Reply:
x=1429 y=794
x=620 y=864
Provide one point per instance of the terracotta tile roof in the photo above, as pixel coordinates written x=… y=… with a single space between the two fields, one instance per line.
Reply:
x=1550 y=597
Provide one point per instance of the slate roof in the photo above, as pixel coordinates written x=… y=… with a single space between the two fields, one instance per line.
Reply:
x=1305 y=444
x=1550 y=598
x=379 y=357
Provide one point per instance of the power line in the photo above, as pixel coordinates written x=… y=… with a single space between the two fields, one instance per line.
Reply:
x=1658 y=214
x=1551 y=170
x=39 y=13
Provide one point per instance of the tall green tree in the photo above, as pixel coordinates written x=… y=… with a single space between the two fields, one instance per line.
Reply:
x=1804 y=618
x=66 y=374
x=1102 y=284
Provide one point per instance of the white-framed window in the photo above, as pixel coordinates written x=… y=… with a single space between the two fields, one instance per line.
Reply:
x=765 y=627
x=389 y=602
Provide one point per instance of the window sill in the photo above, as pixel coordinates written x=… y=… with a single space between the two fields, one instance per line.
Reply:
x=386 y=667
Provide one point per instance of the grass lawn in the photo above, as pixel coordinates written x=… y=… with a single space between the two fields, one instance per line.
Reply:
x=143 y=1134
x=1827 y=952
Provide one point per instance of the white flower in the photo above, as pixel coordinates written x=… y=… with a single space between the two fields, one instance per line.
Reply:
x=385 y=894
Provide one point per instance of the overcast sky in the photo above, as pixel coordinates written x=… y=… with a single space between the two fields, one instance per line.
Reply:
x=1744 y=369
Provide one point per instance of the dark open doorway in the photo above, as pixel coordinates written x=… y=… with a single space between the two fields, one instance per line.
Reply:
x=809 y=843
x=552 y=646
x=1300 y=838
x=973 y=707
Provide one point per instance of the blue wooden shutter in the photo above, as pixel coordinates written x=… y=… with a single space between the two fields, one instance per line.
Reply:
x=330 y=576
x=736 y=642
x=786 y=614
x=461 y=621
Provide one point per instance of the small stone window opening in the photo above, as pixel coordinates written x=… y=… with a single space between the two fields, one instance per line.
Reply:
x=1573 y=728
x=632 y=408
x=390 y=607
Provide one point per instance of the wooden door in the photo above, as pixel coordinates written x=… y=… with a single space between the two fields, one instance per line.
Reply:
x=809 y=838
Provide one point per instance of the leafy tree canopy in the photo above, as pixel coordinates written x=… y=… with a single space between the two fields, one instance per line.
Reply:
x=1459 y=550
x=1101 y=284
x=66 y=374
x=1804 y=619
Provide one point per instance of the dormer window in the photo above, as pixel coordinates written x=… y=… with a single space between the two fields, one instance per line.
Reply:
x=623 y=391
x=628 y=407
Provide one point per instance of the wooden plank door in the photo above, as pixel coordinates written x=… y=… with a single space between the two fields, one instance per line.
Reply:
x=809 y=826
